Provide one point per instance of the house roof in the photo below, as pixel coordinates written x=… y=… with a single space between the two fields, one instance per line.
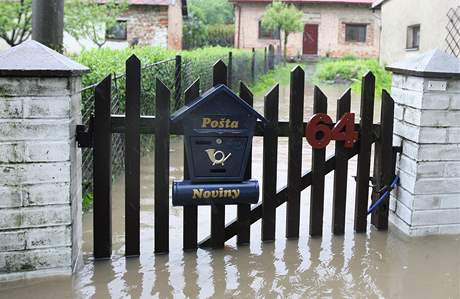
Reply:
x=378 y=3
x=358 y=2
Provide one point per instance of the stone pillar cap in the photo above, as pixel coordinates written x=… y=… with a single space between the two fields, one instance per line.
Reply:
x=32 y=59
x=432 y=64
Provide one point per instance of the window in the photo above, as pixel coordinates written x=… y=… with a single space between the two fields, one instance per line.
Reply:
x=355 y=33
x=268 y=34
x=118 y=32
x=413 y=37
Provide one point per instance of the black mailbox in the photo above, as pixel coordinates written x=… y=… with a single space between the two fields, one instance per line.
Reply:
x=218 y=131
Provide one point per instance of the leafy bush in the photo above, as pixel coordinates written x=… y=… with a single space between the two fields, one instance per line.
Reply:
x=213 y=11
x=221 y=35
x=105 y=61
x=210 y=23
x=352 y=69
x=195 y=31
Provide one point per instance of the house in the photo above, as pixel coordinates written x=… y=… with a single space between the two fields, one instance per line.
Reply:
x=332 y=28
x=410 y=27
x=145 y=22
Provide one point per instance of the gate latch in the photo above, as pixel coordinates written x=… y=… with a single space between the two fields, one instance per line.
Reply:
x=84 y=134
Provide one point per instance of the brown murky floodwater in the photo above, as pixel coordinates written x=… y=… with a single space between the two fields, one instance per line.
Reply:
x=371 y=265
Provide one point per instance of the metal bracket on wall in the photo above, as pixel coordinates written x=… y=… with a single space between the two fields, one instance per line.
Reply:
x=84 y=134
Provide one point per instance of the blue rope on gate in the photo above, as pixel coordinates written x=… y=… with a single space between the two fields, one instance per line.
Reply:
x=384 y=196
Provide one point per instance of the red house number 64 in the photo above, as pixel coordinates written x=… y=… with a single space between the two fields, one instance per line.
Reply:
x=319 y=133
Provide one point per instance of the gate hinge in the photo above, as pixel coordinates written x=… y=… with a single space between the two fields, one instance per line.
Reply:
x=84 y=134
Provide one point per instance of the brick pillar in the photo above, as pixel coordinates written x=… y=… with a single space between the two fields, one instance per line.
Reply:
x=426 y=90
x=40 y=164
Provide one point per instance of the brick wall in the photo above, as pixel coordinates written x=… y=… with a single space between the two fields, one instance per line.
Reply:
x=148 y=24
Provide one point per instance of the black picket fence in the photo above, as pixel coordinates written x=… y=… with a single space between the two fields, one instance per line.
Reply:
x=132 y=125
x=175 y=73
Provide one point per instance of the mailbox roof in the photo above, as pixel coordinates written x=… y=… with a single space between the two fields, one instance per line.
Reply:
x=205 y=97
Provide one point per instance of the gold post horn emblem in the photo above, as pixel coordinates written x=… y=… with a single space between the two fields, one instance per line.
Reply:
x=217 y=157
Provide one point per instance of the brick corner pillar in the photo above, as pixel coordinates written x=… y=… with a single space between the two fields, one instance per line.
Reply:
x=426 y=90
x=40 y=164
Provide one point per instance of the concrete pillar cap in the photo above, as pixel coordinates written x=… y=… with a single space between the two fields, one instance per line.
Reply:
x=432 y=64
x=32 y=59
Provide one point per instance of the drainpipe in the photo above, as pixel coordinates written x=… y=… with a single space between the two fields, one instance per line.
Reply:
x=239 y=26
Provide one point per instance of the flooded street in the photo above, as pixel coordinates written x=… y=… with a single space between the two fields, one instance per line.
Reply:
x=372 y=265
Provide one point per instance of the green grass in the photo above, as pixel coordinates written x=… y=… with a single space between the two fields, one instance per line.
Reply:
x=280 y=74
x=351 y=69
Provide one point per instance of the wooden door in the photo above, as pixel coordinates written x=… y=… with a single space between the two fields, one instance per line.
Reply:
x=310 y=39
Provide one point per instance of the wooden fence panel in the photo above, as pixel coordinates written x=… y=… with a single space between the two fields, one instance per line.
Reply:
x=270 y=164
x=318 y=169
x=364 y=156
x=132 y=157
x=296 y=131
x=384 y=164
x=341 y=172
x=243 y=210
x=162 y=104
x=190 y=232
x=132 y=125
x=102 y=171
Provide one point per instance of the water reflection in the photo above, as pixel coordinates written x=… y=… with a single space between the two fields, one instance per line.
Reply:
x=376 y=264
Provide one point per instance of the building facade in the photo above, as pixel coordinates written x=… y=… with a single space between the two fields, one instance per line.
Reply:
x=332 y=28
x=411 y=27
x=145 y=22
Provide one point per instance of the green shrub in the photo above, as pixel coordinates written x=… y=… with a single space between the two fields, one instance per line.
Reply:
x=221 y=35
x=352 y=69
x=103 y=62
x=195 y=31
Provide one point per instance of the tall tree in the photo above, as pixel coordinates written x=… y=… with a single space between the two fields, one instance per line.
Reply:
x=283 y=17
x=15 y=21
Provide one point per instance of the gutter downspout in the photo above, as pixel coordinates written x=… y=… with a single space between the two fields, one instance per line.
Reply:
x=239 y=27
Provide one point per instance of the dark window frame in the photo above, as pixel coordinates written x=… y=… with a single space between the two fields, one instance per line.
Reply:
x=356 y=37
x=266 y=34
x=109 y=33
x=413 y=37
